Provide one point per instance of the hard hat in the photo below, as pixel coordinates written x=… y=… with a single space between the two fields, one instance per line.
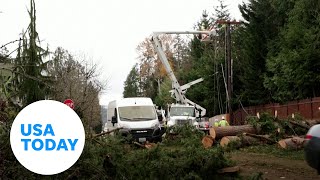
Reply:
x=222 y=117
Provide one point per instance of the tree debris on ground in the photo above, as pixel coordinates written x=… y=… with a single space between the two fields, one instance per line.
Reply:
x=286 y=133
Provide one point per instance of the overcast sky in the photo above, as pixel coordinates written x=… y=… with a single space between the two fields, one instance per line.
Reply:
x=107 y=31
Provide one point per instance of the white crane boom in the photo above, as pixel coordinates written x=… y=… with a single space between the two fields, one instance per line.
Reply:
x=178 y=91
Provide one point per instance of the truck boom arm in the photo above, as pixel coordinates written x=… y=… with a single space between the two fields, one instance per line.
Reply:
x=176 y=86
x=178 y=91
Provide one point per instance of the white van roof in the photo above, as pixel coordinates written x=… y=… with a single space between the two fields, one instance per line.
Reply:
x=136 y=101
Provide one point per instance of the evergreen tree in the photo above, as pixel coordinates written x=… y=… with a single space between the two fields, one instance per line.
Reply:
x=131 y=85
x=29 y=64
x=263 y=21
x=207 y=61
x=294 y=68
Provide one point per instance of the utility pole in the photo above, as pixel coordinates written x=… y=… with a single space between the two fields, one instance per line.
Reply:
x=229 y=63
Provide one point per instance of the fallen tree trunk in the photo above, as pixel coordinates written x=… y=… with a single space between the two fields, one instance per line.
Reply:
x=219 y=132
x=300 y=124
x=292 y=143
x=265 y=138
x=313 y=122
x=207 y=141
x=240 y=141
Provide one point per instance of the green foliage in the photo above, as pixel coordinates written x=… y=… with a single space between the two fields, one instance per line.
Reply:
x=206 y=60
x=186 y=136
x=31 y=84
x=293 y=70
x=131 y=85
x=256 y=176
x=266 y=124
x=110 y=157
x=278 y=51
x=10 y=168
x=164 y=97
x=251 y=42
x=233 y=145
x=277 y=128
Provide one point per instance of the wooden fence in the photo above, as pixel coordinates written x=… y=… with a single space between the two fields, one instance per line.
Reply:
x=307 y=108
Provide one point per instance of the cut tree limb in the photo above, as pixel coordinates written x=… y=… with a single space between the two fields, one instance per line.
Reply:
x=108 y=132
x=229 y=170
x=292 y=143
x=138 y=144
x=207 y=141
x=262 y=137
x=219 y=132
x=299 y=124
x=240 y=141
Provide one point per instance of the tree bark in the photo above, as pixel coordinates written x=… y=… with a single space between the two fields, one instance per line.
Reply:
x=207 y=141
x=241 y=141
x=312 y=122
x=300 y=124
x=219 y=132
x=292 y=143
x=265 y=138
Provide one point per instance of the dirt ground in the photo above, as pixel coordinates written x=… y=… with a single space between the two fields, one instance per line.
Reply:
x=273 y=167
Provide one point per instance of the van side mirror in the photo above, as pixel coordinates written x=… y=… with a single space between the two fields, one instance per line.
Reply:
x=114 y=120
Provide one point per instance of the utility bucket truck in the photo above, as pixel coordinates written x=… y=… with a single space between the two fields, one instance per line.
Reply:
x=184 y=111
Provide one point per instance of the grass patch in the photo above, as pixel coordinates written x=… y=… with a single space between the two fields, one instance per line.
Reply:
x=275 y=151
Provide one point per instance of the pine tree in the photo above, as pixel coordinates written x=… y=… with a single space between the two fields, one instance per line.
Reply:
x=131 y=85
x=31 y=84
x=294 y=68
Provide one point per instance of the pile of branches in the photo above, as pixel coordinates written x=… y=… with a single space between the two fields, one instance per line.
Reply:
x=179 y=156
x=279 y=128
x=287 y=133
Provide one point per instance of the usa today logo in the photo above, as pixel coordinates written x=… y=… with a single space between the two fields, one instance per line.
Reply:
x=47 y=137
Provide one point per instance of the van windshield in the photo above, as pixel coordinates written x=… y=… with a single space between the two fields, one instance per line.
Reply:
x=137 y=113
x=182 y=111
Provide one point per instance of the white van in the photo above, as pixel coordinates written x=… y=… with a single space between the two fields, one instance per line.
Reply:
x=137 y=116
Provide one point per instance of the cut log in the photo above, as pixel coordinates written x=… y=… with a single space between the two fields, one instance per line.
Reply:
x=207 y=141
x=233 y=169
x=265 y=138
x=292 y=143
x=241 y=141
x=219 y=132
x=228 y=139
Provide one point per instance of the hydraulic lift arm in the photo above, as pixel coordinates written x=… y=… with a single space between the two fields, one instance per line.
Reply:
x=178 y=91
